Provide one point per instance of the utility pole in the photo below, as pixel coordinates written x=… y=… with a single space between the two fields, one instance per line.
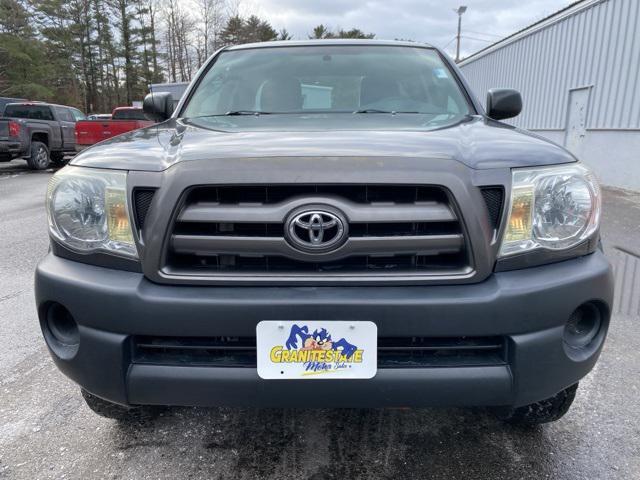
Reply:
x=459 y=11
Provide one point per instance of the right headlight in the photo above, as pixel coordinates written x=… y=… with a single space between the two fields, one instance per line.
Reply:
x=554 y=208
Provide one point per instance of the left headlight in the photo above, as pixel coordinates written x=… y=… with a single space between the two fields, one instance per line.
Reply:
x=88 y=211
x=554 y=208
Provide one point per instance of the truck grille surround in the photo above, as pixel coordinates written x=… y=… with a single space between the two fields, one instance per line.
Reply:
x=389 y=230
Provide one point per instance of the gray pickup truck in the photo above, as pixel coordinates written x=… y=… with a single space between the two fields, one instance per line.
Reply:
x=326 y=224
x=41 y=133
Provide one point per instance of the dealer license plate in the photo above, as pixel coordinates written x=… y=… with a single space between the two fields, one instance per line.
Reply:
x=316 y=349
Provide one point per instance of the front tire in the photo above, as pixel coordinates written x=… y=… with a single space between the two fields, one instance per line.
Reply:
x=39 y=158
x=544 y=411
x=117 y=412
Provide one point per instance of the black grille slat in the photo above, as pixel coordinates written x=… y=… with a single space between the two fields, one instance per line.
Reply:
x=393 y=352
x=222 y=230
x=356 y=264
x=270 y=194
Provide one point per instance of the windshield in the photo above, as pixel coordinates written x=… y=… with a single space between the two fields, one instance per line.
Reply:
x=328 y=79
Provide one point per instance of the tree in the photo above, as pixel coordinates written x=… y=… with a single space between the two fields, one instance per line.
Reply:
x=353 y=33
x=14 y=19
x=233 y=32
x=253 y=29
x=179 y=25
x=322 y=32
x=211 y=14
x=284 y=35
x=129 y=45
x=23 y=66
x=99 y=54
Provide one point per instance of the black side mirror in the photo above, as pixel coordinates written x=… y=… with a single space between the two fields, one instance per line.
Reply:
x=503 y=103
x=158 y=106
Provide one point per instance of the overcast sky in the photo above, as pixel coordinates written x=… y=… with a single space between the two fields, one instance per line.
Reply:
x=431 y=21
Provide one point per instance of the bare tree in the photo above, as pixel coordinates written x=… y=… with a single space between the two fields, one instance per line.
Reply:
x=179 y=26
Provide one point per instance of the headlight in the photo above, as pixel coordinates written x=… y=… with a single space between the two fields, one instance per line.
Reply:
x=88 y=211
x=553 y=208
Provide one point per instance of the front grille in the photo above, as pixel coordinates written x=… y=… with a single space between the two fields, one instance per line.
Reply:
x=393 y=352
x=392 y=229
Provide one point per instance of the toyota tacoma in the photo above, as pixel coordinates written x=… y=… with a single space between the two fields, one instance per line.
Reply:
x=326 y=224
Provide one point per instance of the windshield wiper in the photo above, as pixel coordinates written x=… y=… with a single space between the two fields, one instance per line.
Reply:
x=376 y=110
x=246 y=112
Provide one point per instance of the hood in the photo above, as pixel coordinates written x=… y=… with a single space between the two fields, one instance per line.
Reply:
x=474 y=141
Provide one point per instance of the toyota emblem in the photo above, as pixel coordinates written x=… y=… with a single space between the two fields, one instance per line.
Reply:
x=316 y=230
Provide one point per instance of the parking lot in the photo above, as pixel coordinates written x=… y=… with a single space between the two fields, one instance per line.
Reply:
x=46 y=431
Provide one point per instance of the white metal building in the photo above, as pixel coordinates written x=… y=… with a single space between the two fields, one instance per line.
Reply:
x=578 y=72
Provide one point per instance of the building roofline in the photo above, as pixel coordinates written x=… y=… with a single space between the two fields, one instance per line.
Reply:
x=571 y=9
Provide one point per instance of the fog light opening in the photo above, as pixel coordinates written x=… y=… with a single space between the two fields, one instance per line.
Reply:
x=583 y=326
x=61 y=331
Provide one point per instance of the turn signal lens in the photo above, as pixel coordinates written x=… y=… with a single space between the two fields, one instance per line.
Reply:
x=519 y=227
x=117 y=216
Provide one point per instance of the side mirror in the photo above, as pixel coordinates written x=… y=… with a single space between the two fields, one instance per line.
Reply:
x=503 y=103
x=158 y=106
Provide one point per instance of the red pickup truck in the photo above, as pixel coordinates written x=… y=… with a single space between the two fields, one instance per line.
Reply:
x=123 y=119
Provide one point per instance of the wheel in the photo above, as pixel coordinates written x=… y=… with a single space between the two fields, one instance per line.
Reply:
x=57 y=158
x=118 y=412
x=39 y=158
x=545 y=411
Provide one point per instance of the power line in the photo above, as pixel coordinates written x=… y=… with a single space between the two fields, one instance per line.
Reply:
x=479 y=39
x=449 y=42
x=484 y=34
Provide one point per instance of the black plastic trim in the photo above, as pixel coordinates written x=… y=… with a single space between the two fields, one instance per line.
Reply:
x=97 y=259
x=545 y=257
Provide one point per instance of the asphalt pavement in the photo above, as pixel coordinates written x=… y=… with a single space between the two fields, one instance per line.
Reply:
x=46 y=431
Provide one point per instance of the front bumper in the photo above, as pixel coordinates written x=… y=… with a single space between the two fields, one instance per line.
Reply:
x=529 y=307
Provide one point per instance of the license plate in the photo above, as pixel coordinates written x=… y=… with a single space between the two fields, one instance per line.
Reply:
x=316 y=349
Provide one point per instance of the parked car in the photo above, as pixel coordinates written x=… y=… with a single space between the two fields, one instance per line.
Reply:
x=382 y=242
x=41 y=133
x=123 y=119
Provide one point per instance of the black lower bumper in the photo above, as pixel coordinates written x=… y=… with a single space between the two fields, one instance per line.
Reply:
x=529 y=308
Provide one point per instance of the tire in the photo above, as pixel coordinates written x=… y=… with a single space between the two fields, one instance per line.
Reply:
x=39 y=157
x=118 y=412
x=545 y=411
x=57 y=158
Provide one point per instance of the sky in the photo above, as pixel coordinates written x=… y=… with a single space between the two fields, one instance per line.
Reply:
x=430 y=21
